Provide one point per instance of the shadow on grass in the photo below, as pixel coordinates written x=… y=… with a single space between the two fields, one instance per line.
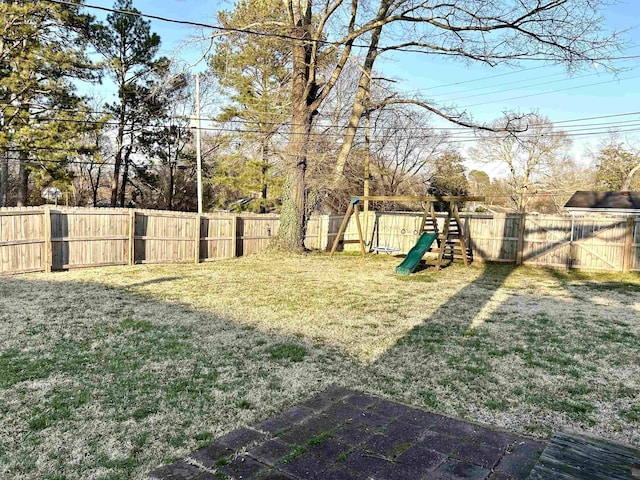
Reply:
x=153 y=281
x=536 y=359
x=598 y=281
x=100 y=367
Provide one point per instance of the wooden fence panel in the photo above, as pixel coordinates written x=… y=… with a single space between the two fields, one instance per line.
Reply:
x=593 y=243
x=254 y=233
x=396 y=231
x=547 y=241
x=598 y=243
x=165 y=237
x=89 y=238
x=217 y=239
x=95 y=237
x=22 y=241
x=493 y=238
x=333 y=224
x=313 y=238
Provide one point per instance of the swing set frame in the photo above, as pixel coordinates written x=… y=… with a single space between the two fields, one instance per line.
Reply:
x=429 y=214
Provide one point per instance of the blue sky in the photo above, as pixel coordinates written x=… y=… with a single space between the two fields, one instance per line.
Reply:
x=482 y=91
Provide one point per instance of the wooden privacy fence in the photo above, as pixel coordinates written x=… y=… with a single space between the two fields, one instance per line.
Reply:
x=36 y=239
x=585 y=242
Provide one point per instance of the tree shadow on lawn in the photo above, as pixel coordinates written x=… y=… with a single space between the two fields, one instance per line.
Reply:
x=534 y=358
x=97 y=380
x=597 y=281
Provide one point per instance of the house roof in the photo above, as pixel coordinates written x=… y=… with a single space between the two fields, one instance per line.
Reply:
x=604 y=201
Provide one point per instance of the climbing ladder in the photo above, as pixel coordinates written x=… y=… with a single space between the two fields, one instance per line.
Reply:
x=451 y=244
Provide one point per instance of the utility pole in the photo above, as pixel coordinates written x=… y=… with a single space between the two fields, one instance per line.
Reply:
x=198 y=149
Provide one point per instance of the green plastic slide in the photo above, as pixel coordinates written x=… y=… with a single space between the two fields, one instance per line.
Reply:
x=410 y=263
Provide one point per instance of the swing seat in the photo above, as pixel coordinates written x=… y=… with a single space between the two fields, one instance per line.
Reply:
x=383 y=249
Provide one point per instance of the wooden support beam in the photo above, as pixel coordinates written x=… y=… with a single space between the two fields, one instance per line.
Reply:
x=521 y=235
x=426 y=213
x=356 y=212
x=233 y=251
x=343 y=227
x=197 y=235
x=445 y=234
x=131 y=245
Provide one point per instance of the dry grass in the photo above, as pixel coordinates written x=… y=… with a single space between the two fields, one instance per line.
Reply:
x=107 y=373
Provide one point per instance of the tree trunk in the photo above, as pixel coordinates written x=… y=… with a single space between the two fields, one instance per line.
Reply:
x=119 y=142
x=95 y=186
x=291 y=231
x=125 y=177
x=264 y=169
x=362 y=98
x=626 y=185
x=116 y=166
x=4 y=179
x=23 y=181
x=172 y=185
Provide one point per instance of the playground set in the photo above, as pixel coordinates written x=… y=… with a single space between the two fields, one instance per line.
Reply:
x=450 y=243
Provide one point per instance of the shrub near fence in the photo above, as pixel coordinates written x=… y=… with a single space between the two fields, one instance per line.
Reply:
x=36 y=239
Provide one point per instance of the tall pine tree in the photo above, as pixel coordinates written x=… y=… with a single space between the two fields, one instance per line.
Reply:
x=129 y=49
x=253 y=71
x=42 y=48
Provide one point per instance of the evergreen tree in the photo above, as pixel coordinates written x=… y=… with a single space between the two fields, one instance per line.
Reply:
x=448 y=177
x=42 y=48
x=168 y=142
x=254 y=73
x=129 y=50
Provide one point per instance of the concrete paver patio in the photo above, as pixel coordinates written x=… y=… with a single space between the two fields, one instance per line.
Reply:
x=342 y=434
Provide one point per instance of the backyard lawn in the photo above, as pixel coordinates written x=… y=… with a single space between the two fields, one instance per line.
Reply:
x=109 y=373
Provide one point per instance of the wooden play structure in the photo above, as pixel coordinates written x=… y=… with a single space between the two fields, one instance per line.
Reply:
x=449 y=243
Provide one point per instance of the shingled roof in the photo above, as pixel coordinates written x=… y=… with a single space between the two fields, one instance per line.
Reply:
x=606 y=202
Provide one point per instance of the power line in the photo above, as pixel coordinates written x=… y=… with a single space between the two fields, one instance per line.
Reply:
x=284 y=36
x=200 y=24
x=453 y=130
x=578 y=130
x=595 y=130
x=490 y=77
x=515 y=86
x=553 y=91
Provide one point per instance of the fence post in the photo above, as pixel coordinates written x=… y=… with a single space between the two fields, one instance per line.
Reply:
x=48 y=251
x=520 y=245
x=320 y=225
x=628 y=245
x=197 y=239
x=132 y=232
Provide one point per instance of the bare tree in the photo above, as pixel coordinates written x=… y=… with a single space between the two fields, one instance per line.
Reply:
x=404 y=147
x=616 y=162
x=528 y=147
x=500 y=31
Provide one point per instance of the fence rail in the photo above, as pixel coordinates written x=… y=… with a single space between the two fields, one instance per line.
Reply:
x=34 y=239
